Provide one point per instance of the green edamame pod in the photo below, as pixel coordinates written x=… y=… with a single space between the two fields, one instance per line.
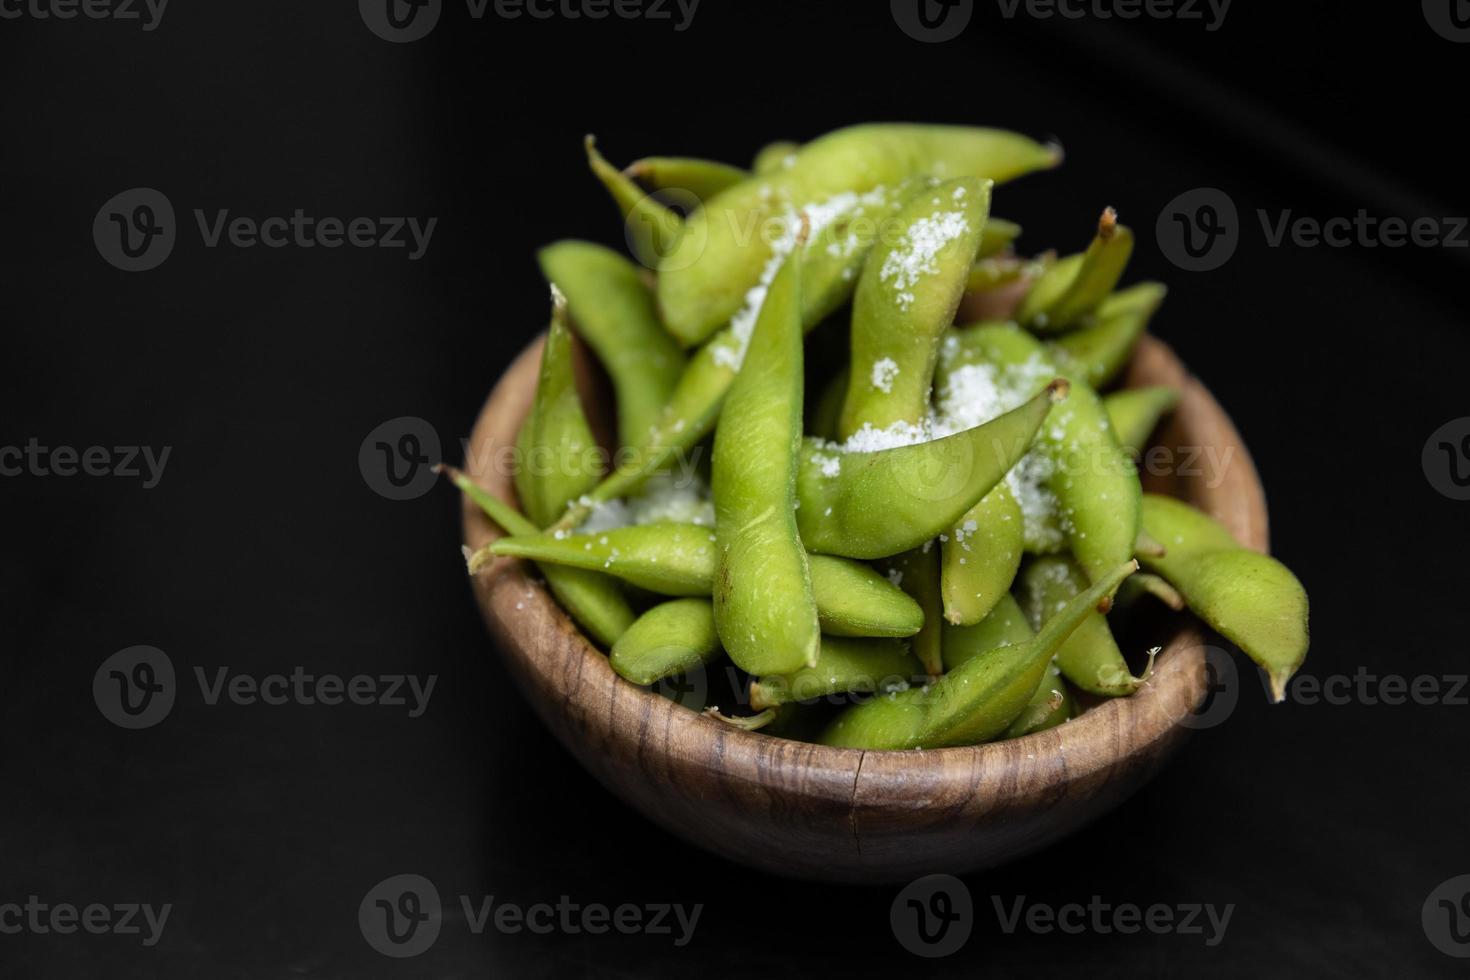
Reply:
x=774 y=156
x=764 y=608
x=1249 y=598
x=614 y=312
x=666 y=558
x=1094 y=482
x=830 y=262
x=653 y=229
x=1102 y=348
x=997 y=236
x=917 y=572
x=854 y=600
x=1090 y=657
x=1005 y=626
x=672 y=638
x=701 y=178
x=1148 y=584
x=1051 y=705
x=703 y=282
x=1075 y=286
x=1135 y=414
x=878 y=504
x=906 y=299
x=558 y=454
x=675 y=559
x=980 y=557
x=975 y=702
x=844 y=666
x=595 y=601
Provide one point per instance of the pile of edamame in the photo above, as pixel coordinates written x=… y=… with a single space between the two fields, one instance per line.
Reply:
x=920 y=551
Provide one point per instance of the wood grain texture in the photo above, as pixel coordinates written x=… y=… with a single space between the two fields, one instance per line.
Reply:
x=844 y=814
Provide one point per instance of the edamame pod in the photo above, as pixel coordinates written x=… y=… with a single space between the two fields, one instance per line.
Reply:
x=844 y=666
x=1051 y=705
x=614 y=312
x=997 y=236
x=1075 y=286
x=1135 y=414
x=905 y=300
x=1078 y=458
x=774 y=156
x=1090 y=657
x=558 y=458
x=1249 y=598
x=701 y=178
x=593 y=600
x=721 y=252
x=878 y=504
x=1100 y=349
x=980 y=557
x=830 y=262
x=671 y=638
x=1006 y=625
x=764 y=609
x=917 y=573
x=975 y=702
x=679 y=560
x=652 y=229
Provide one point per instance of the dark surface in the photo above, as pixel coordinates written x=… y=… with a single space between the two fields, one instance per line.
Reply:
x=262 y=548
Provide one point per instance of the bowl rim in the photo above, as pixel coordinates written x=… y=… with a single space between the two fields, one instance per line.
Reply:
x=550 y=656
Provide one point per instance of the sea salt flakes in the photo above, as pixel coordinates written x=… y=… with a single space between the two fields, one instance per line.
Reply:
x=885 y=370
x=914 y=256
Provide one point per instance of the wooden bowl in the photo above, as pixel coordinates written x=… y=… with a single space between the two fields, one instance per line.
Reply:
x=809 y=811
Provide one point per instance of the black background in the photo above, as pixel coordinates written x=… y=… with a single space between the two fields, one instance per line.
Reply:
x=262 y=548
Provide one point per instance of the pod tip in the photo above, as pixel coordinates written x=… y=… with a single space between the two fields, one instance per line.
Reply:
x=1054 y=152
x=558 y=299
x=1107 y=224
x=1059 y=389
